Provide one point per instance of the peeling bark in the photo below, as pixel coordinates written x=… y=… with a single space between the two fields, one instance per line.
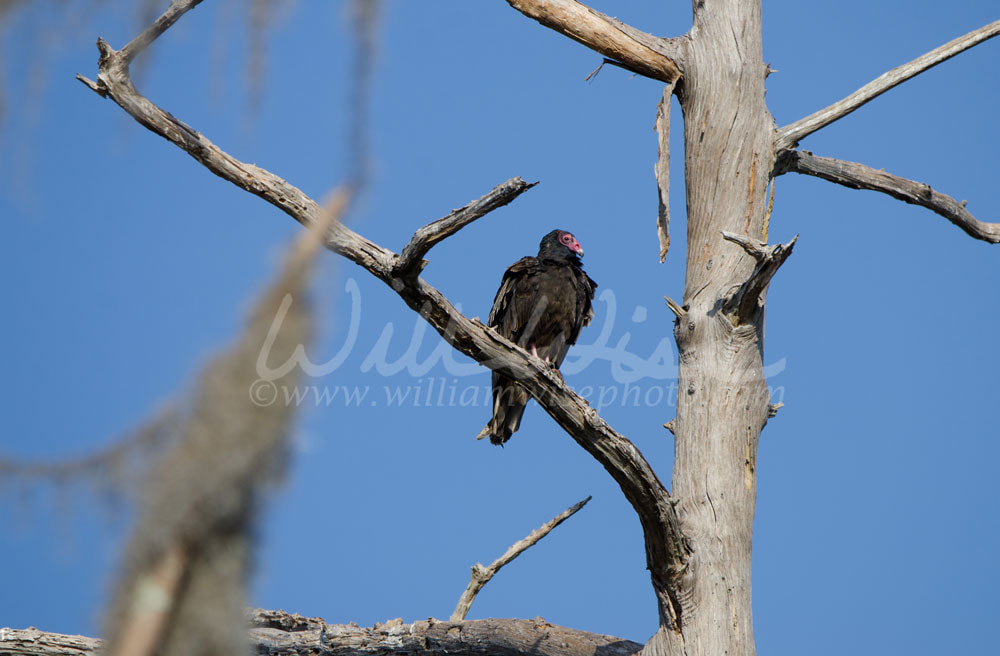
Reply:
x=662 y=170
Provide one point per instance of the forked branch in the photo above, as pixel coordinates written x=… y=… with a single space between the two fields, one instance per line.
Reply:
x=746 y=302
x=859 y=176
x=790 y=135
x=645 y=54
x=667 y=548
x=482 y=575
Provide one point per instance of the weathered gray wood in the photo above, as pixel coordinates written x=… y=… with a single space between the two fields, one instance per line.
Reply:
x=790 y=135
x=32 y=642
x=277 y=632
x=859 y=176
x=723 y=398
x=645 y=54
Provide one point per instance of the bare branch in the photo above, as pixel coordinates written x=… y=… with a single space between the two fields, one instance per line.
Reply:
x=113 y=81
x=645 y=54
x=662 y=169
x=482 y=575
x=753 y=247
x=747 y=300
x=278 y=632
x=790 y=135
x=411 y=260
x=675 y=307
x=667 y=548
x=93 y=86
x=859 y=176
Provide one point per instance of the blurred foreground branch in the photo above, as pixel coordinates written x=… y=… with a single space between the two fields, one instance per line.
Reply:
x=181 y=586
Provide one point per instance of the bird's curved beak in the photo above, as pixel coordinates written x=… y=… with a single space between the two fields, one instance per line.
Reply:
x=577 y=248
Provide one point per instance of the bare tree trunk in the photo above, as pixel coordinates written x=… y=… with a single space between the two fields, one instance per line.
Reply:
x=723 y=398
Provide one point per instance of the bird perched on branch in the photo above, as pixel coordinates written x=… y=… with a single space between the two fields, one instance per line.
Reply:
x=541 y=305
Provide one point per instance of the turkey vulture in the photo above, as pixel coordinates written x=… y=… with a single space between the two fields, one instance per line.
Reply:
x=541 y=305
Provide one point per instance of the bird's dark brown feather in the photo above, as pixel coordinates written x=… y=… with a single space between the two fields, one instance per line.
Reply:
x=543 y=303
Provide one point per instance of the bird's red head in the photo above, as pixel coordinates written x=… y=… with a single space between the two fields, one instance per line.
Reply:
x=559 y=245
x=570 y=242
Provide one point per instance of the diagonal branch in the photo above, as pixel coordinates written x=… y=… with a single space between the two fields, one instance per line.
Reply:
x=411 y=259
x=667 y=548
x=859 y=176
x=482 y=575
x=113 y=81
x=642 y=53
x=790 y=135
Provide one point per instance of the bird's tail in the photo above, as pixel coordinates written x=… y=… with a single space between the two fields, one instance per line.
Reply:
x=508 y=408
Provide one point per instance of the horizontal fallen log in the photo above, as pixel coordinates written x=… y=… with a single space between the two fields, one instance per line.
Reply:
x=278 y=632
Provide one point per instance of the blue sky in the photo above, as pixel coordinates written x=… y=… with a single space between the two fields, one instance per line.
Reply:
x=128 y=265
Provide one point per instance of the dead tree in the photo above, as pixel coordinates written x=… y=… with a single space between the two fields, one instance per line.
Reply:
x=698 y=537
